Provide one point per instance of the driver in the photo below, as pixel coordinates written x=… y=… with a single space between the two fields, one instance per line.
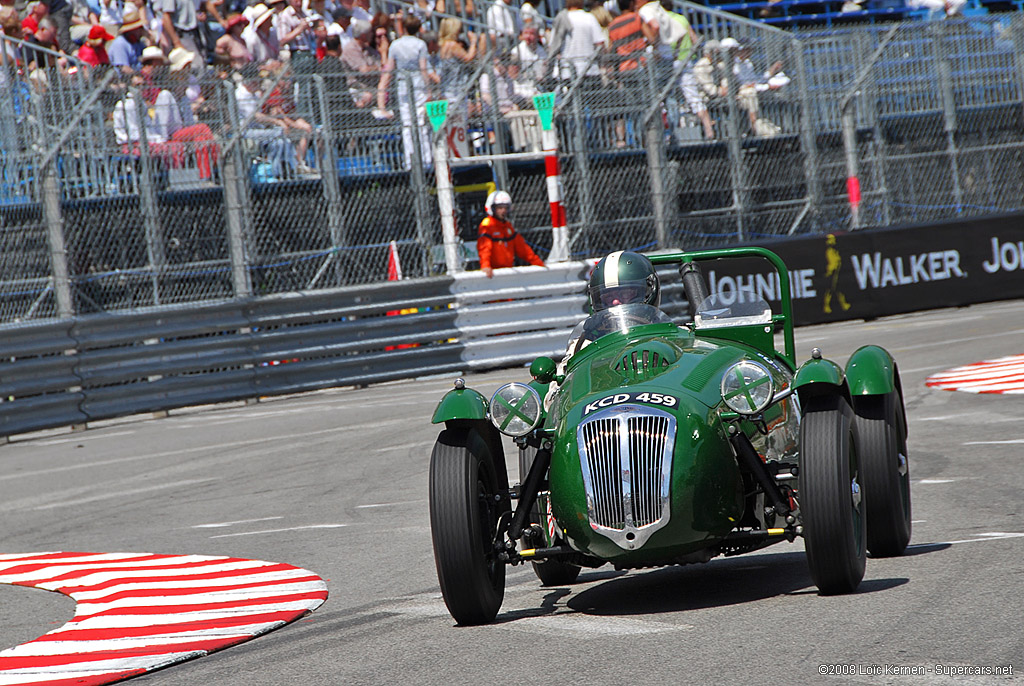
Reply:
x=620 y=278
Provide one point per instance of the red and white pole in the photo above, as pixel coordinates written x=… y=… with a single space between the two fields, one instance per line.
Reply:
x=559 y=232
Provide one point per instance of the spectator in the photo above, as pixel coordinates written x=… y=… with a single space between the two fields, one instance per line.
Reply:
x=342 y=20
x=360 y=55
x=60 y=12
x=280 y=106
x=692 y=94
x=11 y=27
x=459 y=8
x=231 y=47
x=263 y=128
x=422 y=9
x=498 y=243
x=44 y=37
x=126 y=49
x=529 y=16
x=180 y=23
x=381 y=24
x=330 y=64
x=111 y=14
x=36 y=11
x=502 y=24
x=407 y=61
x=531 y=54
x=93 y=52
x=704 y=72
x=260 y=37
x=319 y=39
x=627 y=43
x=84 y=13
x=294 y=33
x=456 y=57
x=749 y=83
x=584 y=39
x=361 y=10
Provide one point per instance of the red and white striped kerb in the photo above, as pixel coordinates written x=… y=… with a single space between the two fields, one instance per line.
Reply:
x=1005 y=375
x=138 y=612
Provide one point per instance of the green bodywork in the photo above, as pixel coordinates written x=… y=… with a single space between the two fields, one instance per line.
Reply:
x=464 y=403
x=708 y=491
x=871 y=371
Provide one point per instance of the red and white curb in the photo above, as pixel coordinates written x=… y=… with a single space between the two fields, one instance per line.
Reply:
x=138 y=612
x=1005 y=375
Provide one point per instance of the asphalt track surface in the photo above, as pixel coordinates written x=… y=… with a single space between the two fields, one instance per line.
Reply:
x=336 y=482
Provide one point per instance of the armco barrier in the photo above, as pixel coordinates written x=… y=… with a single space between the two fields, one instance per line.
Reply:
x=103 y=366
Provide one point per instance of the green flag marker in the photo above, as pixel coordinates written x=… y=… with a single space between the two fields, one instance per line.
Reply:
x=437 y=110
x=545 y=104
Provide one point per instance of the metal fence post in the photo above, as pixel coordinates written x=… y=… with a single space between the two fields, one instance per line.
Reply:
x=54 y=220
x=584 y=203
x=808 y=138
x=329 y=179
x=654 y=134
x=235 y=200
x=737 y=171
x=147 y=200
x=500 y=165
x=945 y=70
x=417 y=177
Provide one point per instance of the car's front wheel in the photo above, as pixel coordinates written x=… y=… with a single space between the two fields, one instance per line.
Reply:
x=465 y=506
x=831 y=506
x=882 y=434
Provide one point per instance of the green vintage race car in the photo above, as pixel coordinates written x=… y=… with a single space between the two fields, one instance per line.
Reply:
x=656 y=443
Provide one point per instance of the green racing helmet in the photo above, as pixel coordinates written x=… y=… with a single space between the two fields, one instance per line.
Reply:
x=621 y=278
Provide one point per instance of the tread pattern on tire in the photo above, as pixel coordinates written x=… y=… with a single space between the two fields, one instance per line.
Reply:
x=473 y=588
x=881 y=433
x=836 y=546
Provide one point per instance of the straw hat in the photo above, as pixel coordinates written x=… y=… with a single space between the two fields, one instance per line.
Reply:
x=132 y=21
x=180 y=58
x=153 y=53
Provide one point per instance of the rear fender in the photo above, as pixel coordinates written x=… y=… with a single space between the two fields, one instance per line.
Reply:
x=871 y=371
x=819 y=377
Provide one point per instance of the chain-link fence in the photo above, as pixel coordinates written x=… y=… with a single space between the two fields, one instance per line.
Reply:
x=119 y=193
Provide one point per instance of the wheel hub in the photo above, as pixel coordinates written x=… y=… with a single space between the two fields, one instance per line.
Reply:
x=903 y=464
x=855 y=493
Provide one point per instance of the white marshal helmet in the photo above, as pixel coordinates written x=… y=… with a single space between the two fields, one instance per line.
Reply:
x=496 y=198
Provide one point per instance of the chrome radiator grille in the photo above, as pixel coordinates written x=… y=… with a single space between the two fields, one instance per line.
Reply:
x=625 y=455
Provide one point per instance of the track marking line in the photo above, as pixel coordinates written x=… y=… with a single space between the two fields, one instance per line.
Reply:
x=1006 y=442
x=936 y=481
x=220 y=525
x=376 y=505
x=276 y=531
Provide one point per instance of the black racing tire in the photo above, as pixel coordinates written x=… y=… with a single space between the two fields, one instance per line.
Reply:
x=552 y=572
x=885 y=473
x=831 y=508
x=464 y=512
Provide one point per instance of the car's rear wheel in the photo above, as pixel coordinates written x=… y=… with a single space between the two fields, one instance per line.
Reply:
x=882 y=438
x=830 y=496
x=551 y=572
x=465 y=504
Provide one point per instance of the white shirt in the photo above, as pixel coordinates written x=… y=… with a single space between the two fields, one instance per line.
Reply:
x=501 y=20
x=583 y=40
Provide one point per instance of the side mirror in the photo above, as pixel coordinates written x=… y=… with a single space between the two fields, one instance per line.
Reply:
x=543 y=369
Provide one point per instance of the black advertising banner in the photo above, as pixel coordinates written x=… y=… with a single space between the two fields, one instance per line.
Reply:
x=868 y=274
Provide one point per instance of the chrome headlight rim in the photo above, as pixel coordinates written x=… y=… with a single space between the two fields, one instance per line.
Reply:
x=515 y=409
x=747 y=387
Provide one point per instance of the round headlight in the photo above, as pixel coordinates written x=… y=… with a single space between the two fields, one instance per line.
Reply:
x=515 y=409
x=747 y=387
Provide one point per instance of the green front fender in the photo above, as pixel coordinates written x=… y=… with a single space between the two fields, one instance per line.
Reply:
x=464 y=403
x=871 y=370
x=818 y=377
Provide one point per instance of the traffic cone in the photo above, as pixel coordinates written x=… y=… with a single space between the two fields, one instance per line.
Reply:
x=395 y=274
x=394 y=263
